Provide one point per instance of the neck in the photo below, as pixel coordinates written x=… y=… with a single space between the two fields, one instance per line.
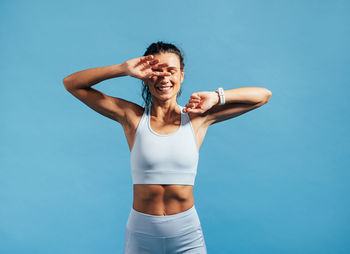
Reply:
x=166 y=110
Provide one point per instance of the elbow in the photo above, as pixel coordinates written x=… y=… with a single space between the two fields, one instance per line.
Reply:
x=268 y=95
x=263 y=96
x=66 y=82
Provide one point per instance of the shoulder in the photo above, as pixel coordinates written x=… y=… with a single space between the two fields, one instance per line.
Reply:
x=133 y=114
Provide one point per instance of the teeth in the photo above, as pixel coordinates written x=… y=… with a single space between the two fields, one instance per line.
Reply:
x=164 y=88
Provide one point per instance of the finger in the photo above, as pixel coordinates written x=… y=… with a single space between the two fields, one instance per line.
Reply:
x=195 y=96
x=163 y=65
x=153 y=62
x=159 y=67
x=162 y=74
x=190 y=105
x=194 y=110
x=191 y=102
x=145 y=58
x=147 y=65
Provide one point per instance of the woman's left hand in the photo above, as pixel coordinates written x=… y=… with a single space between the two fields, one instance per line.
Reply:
x=200 y=102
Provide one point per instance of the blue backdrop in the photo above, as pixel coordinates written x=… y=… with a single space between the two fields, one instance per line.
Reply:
x=274 y=180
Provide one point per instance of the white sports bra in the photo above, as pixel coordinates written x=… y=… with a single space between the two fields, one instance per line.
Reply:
x=164 y=159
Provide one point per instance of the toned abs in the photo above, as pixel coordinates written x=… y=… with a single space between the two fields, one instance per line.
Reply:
x=162 y=200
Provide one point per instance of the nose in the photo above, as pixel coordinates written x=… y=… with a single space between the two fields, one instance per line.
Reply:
x=164 y=79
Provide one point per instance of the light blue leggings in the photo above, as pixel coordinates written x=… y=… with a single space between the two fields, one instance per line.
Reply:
x=153 y=234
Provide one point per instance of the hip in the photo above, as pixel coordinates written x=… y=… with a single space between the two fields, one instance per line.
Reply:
x=164 y=234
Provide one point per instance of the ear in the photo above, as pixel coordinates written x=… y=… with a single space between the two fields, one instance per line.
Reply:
x=182 y=76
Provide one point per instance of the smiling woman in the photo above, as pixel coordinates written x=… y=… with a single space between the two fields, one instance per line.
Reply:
x=168 y=85
x=174 y=64
x=164 y=139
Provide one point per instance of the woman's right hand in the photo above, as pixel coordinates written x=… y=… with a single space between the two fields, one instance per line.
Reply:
x=144 y=67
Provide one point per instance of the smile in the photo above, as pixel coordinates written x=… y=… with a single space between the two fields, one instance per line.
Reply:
x=165 y=89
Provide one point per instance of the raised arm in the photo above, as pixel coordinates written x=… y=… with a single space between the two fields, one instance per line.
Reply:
x=238 y=102
x=79 y=84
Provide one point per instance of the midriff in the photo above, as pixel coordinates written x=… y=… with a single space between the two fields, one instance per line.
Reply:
x=155 y=199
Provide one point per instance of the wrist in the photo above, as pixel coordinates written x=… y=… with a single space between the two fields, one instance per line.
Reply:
x=124 y=69
x=217 y=97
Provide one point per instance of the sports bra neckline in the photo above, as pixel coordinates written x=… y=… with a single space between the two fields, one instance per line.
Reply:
x=163 y=135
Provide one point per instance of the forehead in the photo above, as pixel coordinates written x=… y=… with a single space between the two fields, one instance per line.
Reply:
x=170 y=58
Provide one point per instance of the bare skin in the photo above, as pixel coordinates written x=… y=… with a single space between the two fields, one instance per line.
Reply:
x=161 y=70
x=165 y=119
x=164 y=199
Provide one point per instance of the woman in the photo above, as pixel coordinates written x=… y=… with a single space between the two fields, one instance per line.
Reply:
x=164 y=139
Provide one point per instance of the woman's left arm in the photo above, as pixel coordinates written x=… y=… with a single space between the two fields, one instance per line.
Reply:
x=237 y=102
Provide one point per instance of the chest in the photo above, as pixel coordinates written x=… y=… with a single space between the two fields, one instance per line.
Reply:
x=197 y=123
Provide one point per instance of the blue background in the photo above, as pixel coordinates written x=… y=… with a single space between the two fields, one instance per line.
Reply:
x=274 y=180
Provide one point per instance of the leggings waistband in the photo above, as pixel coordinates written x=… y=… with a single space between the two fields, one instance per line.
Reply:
x=163 y=226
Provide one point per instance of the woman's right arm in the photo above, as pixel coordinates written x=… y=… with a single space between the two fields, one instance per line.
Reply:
x=80 y=85
x=90 y=77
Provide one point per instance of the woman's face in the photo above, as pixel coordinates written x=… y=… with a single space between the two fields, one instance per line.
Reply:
x=170 y=84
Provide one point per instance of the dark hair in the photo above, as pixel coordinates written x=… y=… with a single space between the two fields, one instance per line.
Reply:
x=157 y=48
